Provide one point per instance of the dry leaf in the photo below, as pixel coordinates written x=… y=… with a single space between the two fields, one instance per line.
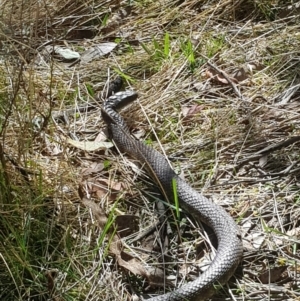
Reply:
x=257 y=239
x=98 y=212
x=272 y=275
x=51 y=275
x=101 y=137
x=97 y=51
x=199 y=86
x=240 y=75
x=218 y=77
x=263 y=161
x=99 y=187
x=90 y=145
x=95 y=167
x=255 y=66
x=125 y=260
x=188 y=111
x=294 y=232
x=62 y=53
x=66 y=54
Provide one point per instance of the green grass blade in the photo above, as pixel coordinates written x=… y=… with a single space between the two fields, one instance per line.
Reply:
x=167 y=45
x=174 y=185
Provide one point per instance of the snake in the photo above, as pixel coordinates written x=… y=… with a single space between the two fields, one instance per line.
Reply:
x=230 y=248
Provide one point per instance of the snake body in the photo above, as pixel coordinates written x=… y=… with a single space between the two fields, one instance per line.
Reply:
x=229 y=251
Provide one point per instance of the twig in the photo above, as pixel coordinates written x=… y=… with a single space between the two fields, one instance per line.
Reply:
x=234 y=87
x=271 y=148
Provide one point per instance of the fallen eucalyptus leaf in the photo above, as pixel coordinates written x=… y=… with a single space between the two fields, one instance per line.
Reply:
x=63 y=53
x=90 y=145
x=97 y=51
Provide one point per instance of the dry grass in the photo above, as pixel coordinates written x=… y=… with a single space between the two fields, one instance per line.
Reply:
x=216 y=130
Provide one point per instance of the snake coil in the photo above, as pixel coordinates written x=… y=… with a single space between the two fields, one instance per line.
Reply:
x=229 y=251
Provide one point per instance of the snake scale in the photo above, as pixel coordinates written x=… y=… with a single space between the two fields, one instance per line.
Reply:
x=229 y=251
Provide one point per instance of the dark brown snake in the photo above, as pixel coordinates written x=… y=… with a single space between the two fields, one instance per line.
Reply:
x=229 y=251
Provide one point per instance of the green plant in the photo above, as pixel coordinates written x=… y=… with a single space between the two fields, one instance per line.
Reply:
x=160 y=51
x=187 y=49
x=176 y=201
x=214 y=45
x=267 y=8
